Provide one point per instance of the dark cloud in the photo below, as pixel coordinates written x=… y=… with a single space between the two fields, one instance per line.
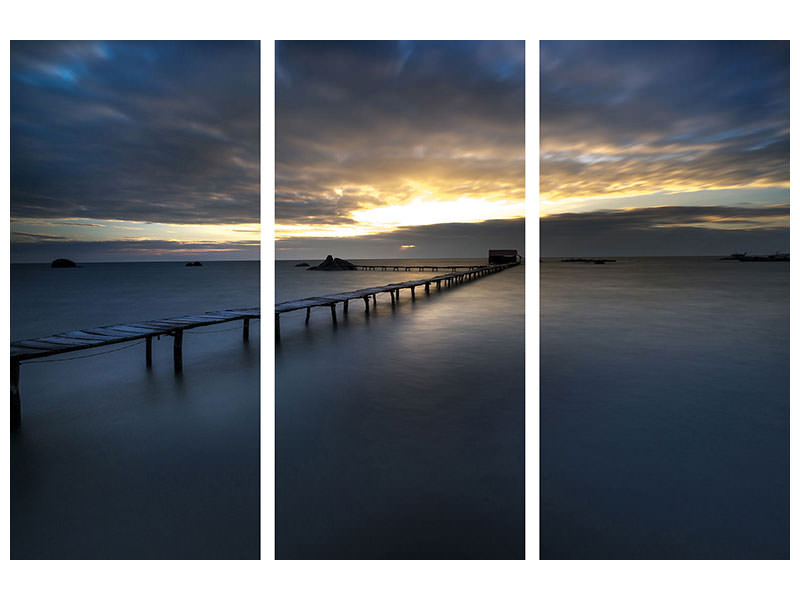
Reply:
x=638 y=117
x=447 y=240
x=163 y=132
x=380 y=118
x=35 y=237
x=667 y=230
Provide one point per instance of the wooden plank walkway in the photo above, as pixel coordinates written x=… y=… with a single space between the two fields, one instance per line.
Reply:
x=393 y=289
x=416 y=267
x=83 y=339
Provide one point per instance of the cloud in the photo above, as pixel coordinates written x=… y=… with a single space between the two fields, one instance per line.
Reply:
x=164 y=132
x=22 y=236
x=362 y=125
x=445 y=240
x=628 y=118
x=666 y=230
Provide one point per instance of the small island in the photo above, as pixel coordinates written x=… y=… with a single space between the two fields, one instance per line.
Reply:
x=196 y=263
x=62 y=263
x=333 y=264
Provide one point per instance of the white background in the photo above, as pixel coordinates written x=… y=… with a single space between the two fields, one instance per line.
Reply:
x=412 y=19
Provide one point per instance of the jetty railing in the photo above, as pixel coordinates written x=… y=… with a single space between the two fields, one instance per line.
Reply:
x=393 y=289
x=83 y=339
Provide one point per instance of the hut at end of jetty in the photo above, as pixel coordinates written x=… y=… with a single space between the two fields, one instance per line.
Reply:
x=502 y=257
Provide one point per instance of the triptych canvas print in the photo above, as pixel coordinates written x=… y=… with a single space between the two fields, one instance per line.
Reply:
x=396 y=335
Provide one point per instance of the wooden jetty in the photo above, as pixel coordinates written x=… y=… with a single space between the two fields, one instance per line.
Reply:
x=393 y=289
x=415 y=267
x=83 y=339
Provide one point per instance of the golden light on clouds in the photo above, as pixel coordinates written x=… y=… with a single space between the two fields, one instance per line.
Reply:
x=587 y=177
x=400 y=144
x=621 y=121
x=430 y=210
x=426 y=209
x=99 y=230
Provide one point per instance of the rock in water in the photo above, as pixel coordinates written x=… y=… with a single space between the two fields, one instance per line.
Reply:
x=196 y=263
x=62 y=263
x=301 y=265
x=333 y=264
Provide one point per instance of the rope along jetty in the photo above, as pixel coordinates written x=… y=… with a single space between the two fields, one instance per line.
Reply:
x=83 y=339
x=393 y=289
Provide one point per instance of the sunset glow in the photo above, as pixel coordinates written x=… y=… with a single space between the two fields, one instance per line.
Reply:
x=664 y=138
x=383 y=138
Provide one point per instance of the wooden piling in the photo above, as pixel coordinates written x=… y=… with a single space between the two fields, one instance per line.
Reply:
x=333 y=313
x=452 y=278
x=16 y=404
x=74 y=341
x=177 y=350
x=308 y=314
x=277 y=327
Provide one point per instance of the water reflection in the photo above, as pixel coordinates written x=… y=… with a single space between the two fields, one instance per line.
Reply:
x=400 y=434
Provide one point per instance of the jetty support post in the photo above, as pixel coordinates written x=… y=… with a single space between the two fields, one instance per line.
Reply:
x=374 y=300
x=246 y=330
x=333 y=313
x=346 y=302
x=428 y=288
x=148 y=352
x=366 y=304
x=391 y=295
x=277 y=327
x=308 y=314
x=413 y=297
x=177 y=350
x=16 y=404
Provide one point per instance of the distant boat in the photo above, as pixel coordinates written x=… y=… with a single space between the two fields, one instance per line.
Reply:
x=196 y=263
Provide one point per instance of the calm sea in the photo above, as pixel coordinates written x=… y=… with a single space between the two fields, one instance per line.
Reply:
x=665 y=409
x=115 y=461
x=401 y=434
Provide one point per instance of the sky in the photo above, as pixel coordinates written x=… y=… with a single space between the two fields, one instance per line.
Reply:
x=399 y=149
x=135 y=151
x=664 y=148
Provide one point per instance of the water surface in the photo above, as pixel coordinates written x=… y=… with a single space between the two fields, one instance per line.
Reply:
x=117 y=461
x=401 y=434
x=664 y=409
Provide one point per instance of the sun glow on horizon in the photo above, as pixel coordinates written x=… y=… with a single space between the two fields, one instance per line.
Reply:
x=102 y=230
x=424 y=209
